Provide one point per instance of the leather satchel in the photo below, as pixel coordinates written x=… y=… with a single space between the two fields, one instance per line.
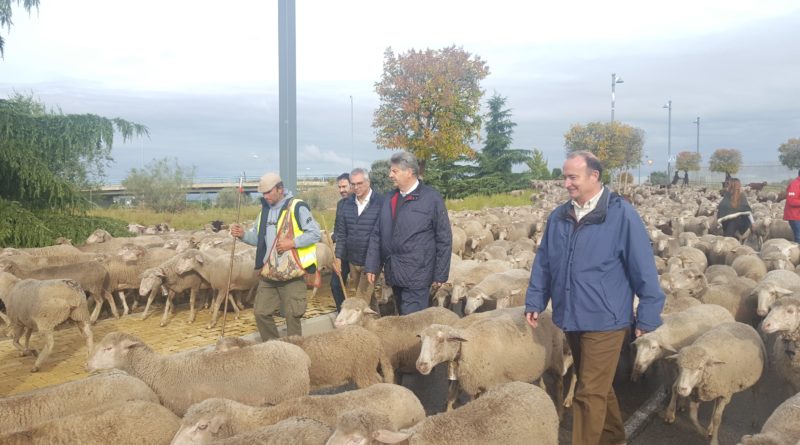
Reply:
x=282 y=266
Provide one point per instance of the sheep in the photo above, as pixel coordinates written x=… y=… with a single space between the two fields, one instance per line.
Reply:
x=469 y=273
x=22 y=411
x=126 y=267
x=264 y=373
x=397 y=333
x=683 y=283
x=41 y=305
x=498 y=287
x=459 y=241
x=687 y=257
x=294 y=430
x=215 y=271
x=215 y=419
x=720 y=274
x=135 y=423
x=774 y=285
x=750 y=266
x=494 y=350
x=674 y=304
x=90 y=275
x=721 y=247
x=492 y=253
x=727 y=359
x=781 y=428
x=678 y=330
x=776 y=260
x=349 y=354
x=167 y=275
x=784 y=317
x=56 y=250
x=736 y=297
x=509 y=414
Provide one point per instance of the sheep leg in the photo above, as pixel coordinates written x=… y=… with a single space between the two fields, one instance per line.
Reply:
x=238 y=305
x=716 y=419
x=18 y=331
x=86 y=332
x=98 y=304
x=150 y=299
x=559 y=394
x=215 y=312
x=28 y=332
x=694 y=406
x=121 y=295
x=48 y=347
x=167 y=306
x=110 y=299
x=192 y=301
x=573 y=382
x=453 y=388
x=669 y=416
x=387 y=370
x=235 y=306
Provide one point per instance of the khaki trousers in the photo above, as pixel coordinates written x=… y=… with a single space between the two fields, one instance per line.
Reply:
x=596 y=419
x=289 y=297
x=358 y=278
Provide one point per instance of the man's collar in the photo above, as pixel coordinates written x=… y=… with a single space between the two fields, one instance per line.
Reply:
x=366 y=198
x=413 y=187
x=592 y=201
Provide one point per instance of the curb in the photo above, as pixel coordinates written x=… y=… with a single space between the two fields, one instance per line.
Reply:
x=641 y=417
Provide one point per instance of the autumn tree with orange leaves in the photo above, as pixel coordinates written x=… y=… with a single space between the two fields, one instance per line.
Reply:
x=430 y=103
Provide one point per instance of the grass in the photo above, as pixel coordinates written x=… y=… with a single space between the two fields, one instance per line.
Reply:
x=325 y=213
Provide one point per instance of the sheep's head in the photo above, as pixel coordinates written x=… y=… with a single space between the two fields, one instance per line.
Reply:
x=784 y=316
x=767 y=294
x=188 y=260
x=354 y=311
x=648 y=350
x=113 y=352
x=475 y=299
x=442 y=294
x=151 y=279
x=98 y=236
x=361 y=427
x=440 y=343
x=206 y=422
x=131 y=252
x=692 y=363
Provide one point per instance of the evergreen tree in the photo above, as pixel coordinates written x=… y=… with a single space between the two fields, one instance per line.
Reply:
x=496 y=157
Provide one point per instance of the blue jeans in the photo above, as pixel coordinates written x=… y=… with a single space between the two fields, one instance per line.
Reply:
x=795 y=225
x=336 y=285
x=411 y=300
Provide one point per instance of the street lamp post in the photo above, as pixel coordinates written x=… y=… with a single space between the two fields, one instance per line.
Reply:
x=697 y=122
x=352 y=140
x=668 y=106
x=614 y=81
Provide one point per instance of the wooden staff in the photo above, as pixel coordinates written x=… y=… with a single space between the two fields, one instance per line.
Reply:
x=233 y=252
x=328 y=242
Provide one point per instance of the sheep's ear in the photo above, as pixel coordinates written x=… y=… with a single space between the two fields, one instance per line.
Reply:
x=369 y=311
x=128 y=343
x=783 y=291
x=215 y=424
x=671 y=357
x=714 y=361
x=386 y=436
x=669 y=348
x=161 y=273
x=456 y=337
x=199 y=258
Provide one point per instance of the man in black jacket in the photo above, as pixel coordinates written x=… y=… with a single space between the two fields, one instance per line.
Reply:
x=342 y=267
x=355 y=221
x=412 y=239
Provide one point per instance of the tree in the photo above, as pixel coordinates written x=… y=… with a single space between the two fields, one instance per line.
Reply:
x=160 y=186
x=556 y=173
x=537 y=164
x=227 y=198
x=496 y=157
x=5 y=16
x=617 y=145
x=430 y=102
x=659 y=178
x=688 y=161
x=379 y=176
x=790 y=153
x=47 y=156
x=725 y=160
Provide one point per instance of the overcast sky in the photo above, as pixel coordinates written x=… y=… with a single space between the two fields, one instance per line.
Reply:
x=203 y=76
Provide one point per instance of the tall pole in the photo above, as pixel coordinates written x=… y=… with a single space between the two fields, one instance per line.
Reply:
x=352 y=139
x=668 y=106
x=697 y=122
x=614 y=81
x=287 y=94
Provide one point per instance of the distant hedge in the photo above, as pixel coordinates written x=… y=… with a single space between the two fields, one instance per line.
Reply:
x=21 y=227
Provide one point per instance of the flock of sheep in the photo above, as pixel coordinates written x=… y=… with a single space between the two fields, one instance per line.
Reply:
x=720 y=293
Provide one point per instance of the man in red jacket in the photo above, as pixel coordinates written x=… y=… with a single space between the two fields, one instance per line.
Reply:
x=791 y=210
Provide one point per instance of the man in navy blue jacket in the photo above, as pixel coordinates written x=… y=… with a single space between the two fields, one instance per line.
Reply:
x=342 y=268
x=412 y=238
x=594 y=256
x=355 y=221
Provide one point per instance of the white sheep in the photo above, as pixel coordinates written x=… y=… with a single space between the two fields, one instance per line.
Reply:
x=781 y=428
x=736 y=296
x=509 y=414
x=350 y=354
x=686 y=257
x=41 y=305
x=131 y=423
x=496 y=349
x=294 y=430
x=750 y=266
x=22 y=411
x=784 y=317
x=265 y=373
x=774 y=285
x=720 y=274
x=398 y=334
x=167 y=275
x=679 y=329
x=215 y=419
x=498 y=287
x=727 y=359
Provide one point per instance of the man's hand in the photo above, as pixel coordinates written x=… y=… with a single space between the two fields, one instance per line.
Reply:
x=284 y=245
x=371 y=278
x=337 y=266
x=436 y=285
x=236 y=230
x=533 y=319
x=638 y=332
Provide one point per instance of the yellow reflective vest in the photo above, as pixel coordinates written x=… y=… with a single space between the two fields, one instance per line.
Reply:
x=308 y=254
